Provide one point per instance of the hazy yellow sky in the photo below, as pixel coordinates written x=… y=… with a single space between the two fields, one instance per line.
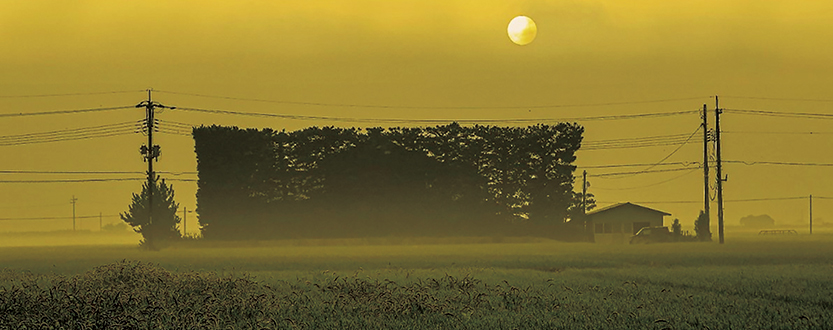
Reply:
x=409 y=53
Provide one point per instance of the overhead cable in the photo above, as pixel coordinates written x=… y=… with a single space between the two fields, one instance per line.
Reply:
x=68 y=94
x=384 y=106
x=652 y=184
x=810 y=115
x=437 y=121
x=777 y=163
x=62 y=218
x=775 y=98
x=61 y=112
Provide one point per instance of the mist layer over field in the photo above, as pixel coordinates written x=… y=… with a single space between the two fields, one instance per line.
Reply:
x=752 y=281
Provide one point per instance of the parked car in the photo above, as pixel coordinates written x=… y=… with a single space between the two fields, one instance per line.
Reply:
x=652 y=235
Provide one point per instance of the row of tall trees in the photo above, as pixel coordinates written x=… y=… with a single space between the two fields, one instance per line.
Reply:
x=320 y=182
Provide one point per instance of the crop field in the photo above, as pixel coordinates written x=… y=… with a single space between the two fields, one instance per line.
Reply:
x=469 y=283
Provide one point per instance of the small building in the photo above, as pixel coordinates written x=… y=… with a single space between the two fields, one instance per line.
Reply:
x=615 y=224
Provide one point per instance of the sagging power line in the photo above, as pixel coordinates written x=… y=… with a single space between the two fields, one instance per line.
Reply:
x=61 y=112
x=100 y=131
x=389 y=106
x=436 y=121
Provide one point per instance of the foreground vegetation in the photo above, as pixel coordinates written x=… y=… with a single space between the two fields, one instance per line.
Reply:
x=772 y=284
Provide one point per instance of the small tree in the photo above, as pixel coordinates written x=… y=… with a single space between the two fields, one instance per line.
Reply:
x=677 y=228
x=701 y=227
x=165 y=221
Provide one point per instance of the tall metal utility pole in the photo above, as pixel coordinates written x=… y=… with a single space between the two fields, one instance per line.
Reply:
x=150 y=151
x=706 y=197
x=719 y=168
x=72 y=201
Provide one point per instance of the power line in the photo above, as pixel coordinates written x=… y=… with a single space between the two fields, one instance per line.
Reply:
x=776 y=98
x=90 y=172
x=727 y=201
x=61 y=112
x=675 y=150
x=72 y=180
x=67 y=172
x=780 y=133
x=782 y=114
x=383 y=106
x=777 y=163
x=67 y=94
x=84 y=137
x=642 y=172
x=92 y=180
x=655 y=183
x=641 y=142
x=649 y=169
x=436 y=121
x=69 y=134
x=638 y=165
x=61 y=218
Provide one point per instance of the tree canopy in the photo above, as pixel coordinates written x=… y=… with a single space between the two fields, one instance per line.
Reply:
x=163 y=226
x=396 y=181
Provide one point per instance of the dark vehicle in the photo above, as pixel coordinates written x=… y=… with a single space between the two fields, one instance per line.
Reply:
x=651 y=235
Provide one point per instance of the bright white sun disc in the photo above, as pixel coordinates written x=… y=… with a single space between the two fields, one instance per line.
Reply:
x=522 y=30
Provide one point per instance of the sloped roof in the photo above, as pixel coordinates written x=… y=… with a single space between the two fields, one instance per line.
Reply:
x=618 y=205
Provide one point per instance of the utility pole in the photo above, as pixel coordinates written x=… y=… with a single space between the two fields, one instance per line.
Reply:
x=150 y=151
x=588 y=226
x=72 y=201
x=811 y=214
x=100 y=225
x=584 y=192
x=185 y=220
x=719 y=168
x=706 y=197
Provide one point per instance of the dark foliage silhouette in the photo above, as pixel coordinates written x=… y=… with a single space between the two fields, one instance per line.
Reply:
x=163 y=227
x=348 y=182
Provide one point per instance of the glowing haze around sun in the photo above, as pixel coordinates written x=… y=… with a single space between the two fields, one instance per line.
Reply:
x=522 y=30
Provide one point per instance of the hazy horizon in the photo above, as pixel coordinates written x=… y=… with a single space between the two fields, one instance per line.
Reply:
x=418 y=60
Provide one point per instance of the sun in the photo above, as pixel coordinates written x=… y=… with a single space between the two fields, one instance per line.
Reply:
x=522 y=30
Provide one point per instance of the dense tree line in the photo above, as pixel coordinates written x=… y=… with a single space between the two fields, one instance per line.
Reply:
x=329 y=181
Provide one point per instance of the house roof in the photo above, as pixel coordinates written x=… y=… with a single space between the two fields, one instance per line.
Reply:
x=618 y=205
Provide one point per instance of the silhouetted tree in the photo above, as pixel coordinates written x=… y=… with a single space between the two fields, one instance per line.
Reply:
x=164 y=226
x=701 y=228
x=677 y=228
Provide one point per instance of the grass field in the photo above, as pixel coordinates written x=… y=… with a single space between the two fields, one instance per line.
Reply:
x=751 y=282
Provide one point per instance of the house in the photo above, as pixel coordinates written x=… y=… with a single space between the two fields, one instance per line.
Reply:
x=615 y=224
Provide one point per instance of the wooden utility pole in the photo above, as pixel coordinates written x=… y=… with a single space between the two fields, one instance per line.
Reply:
x=584 y=192
x=150 y=151
x=588 y=225
x=706 y=197
x=811 y=214
x=185 y=221
x=73 y=201
x=100 y=224
x=719 y=169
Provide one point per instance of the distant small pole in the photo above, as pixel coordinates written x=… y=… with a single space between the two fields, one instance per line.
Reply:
x=811 y=214
x=185 y=220
x=100 y=223
x=72 y=201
